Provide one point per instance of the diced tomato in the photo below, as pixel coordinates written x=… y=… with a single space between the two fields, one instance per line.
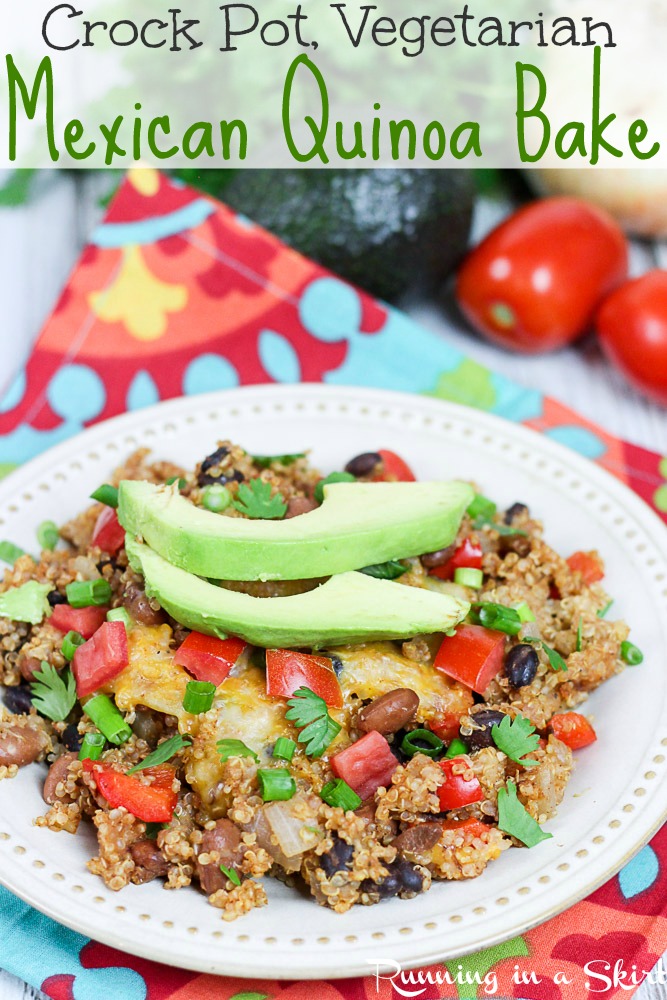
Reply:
x=286 y=671
x=554 y=592
x=588 y=564
x=474 y=827
x=473 y=656
x=86 y=621
x=456 y=790
x=154 y=803
x=394 y=467
x=100 y=659
x=573 y=729
x=468 y=555
x=108 y=533
x=366 y=765
x=208 y=658
x=446 y=726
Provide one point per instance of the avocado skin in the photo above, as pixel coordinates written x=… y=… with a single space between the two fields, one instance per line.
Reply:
x=391 y=232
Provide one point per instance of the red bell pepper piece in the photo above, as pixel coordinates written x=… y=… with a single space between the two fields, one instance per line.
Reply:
x=208 y=658
x=286 y=671
x=86 y=621
x=468 y=555
x=100 y=659
x=394 y=467
x=154 y=803
x=573 y=729
x=446 y=726
x=108 y=533
x=456 y=790
x=471 y=826
x=366 y=765
x=588 y=564
x=473 y=656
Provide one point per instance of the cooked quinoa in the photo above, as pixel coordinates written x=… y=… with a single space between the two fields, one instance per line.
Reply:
x=223 y=836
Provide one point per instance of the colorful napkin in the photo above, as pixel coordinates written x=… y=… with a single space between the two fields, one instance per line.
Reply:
x=176 y=294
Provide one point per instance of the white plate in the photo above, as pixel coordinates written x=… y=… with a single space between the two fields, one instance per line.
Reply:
x=615 y=801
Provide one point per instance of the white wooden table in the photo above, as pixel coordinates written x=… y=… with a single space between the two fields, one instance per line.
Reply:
x=39 y=244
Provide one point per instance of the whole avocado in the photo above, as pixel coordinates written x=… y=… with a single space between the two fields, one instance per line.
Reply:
x=392 y=232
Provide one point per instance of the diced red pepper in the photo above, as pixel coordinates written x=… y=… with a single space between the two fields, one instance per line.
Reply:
x=366 y=765
x=446 y=726
x=456 y=790
x=286 y=671
x=588 y=564
x=468 y=555
x=394 y=467
x=554 y=592
x=471 y=826
x=573 y=729
x=100 y=659
x=473 y=656
x=154 y=803
x=108 y=533
x=86 y=621
x=208 y=658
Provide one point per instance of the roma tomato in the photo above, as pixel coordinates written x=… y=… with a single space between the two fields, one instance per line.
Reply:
x=473 y=656
x=468 y=555
x=208 y=658
x=287 y=671
x=394 y=467
x=366 y=765
x=457 y=790
x=573 y=729
x=534 y=283
x=632 y=326
x=588 y=564
x=108 y=534
x=86 y=621
x=101 y=658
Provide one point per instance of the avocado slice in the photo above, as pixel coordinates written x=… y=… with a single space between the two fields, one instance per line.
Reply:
x=348 y=608
x=357 y=525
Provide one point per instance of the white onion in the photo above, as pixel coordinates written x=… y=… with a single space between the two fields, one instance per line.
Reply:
x=446 y=587
x=292 y=833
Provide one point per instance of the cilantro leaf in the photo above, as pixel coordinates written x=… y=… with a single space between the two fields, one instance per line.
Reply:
x=231 y=874
x=515 y=738
x=310 y=714
x=515 y=820
x=234 y=748
x=556 y=661
x=255 y=500
x=164 y=752
x=390 y=570
x=53 y=694
x=26 y=603
x=501 y=529
x=264 y=461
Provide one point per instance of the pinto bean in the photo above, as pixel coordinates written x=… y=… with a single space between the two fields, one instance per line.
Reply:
x=418 y=838
x=431 y=559
x=364 y=464
x=299 y=505
x=20 y=745
x=390 y=712
x=138 y=605
x=57 y=773
x=146 y=854
x=223 y=841
x=28 y=665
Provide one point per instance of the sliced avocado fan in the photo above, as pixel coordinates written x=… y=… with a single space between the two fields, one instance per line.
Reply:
x=348 y=608
x=357 y=525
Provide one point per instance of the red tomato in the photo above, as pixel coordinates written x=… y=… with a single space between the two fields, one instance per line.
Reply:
x=446 y=726
x=394 y=467
x=588 y=564
x=208 y=658
x=100 y=659
x=286 y=671
x=108 y=534
x=534 y=283
x=456 y=790
x=573 y=729
x=366 y=765
x=473 y=656
x=632 y=326
x=154 y=803
x=473 y=827
x=469 y=555
x=86 y=621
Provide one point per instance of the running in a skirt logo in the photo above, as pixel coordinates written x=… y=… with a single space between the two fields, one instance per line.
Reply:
x=599 y=976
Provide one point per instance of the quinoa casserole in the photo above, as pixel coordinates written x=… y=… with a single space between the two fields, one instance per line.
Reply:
x=421 y=722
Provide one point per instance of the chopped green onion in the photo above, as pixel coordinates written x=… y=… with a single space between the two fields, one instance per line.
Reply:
x=631 y=654
x=71 y=642
x=163 y=752
x=199 y=697
x=337 y=793
x=333 y=477
x=603 y=611
x=216 y=498
x=276 y=784
x=88 y=593
x=47 y=535
x=264 y=461
x=120 y=615
x=466 y=576
x=106 y=494
x=481 y=506
x=231 y=874
x=386 y=571
x=92 y=746
x=456 y=748
x=412 y=743
x=107 y=718
x=234 y=748
x=284 y=748
x=579 y=634
x=524 y=612
x=176 y=479
x=9 y=552
x=498 y=617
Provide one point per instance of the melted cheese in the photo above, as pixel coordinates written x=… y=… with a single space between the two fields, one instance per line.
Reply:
x=151 y=677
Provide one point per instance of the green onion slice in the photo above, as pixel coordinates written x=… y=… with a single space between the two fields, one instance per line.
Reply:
x=92 y=746
x=524 y=612
x=631 y=654
x=276 y=784
x=216 y=498
x=456 y=748
x=164 y=752
x=412 y=743
x=107 y=718
x=337 y=793
x=481 y=506
x=71 y=642
x=234 y=748
x=580 y=628
x=88 y=593
x=602 y=613
x=498 y=617
x=120 y=615
x=284 y=748
x=47 y=535
x=468 y=577
x=198 y=697
x=106 y=494
x=9 y=552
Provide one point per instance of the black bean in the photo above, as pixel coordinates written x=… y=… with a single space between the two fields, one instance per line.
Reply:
x=363 y=465
x=214 y=458
x=204 y=479
x=72 y=738
x=338 y=858
x=514 y=511
x=388 y=887
x=521 y=665
x=55 y=597
x=432 y=559
x=336 y=663
x=480 y=738
x=411 y=879
x=18 y=699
